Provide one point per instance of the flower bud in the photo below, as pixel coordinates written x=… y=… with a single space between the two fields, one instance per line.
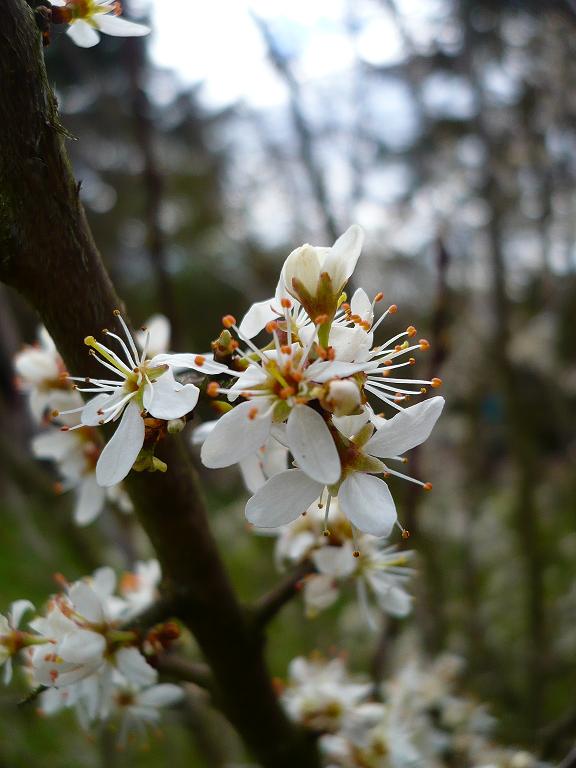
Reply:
x=175 y=426
x=343 y=397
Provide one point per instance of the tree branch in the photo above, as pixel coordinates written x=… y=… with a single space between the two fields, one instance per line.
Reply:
x=272 y=603
x=48 y=254
x=185 y=671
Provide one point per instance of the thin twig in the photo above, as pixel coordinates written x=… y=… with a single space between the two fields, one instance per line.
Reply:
x=270 y=604
x=184 y=670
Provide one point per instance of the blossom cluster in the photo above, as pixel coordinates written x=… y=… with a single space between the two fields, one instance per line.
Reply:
x=314 y=388
x=81 y=653
x=417 y=718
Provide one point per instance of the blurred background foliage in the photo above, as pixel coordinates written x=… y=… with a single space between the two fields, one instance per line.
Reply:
x=448 y=132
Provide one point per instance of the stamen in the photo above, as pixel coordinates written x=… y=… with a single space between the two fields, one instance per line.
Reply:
x=127 y=332
x=106 y=332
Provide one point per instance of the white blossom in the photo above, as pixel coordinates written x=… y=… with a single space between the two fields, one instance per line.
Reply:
x=87 y=18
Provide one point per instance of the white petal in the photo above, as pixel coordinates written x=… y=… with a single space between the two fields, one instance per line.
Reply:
x=341 y=260
x=312 y=445
x=54 y=445
x=122 y=450
x=368 y=504
x=257 y=317
x=406 y=430
x=202 y=431
x=274 y=458
x=170 y=399
x=202 y=363
x=161 y=695
x=304 y=264
x=158 y=329
x=83 y=34
x=324 y=370
x=90 y=415
x=82 y=647
x=113 y=25
x=17 y=610
x=135 y=668
x=351 y=425
x=361 y=305
x=86 y=602
x=235 y=436
x=252 y=472
x=284 y=497
x=335 y=561
x=320 y=592
x=89 y=501
x=7 y=671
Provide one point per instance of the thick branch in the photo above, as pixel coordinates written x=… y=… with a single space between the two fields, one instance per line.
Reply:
x=48 y=254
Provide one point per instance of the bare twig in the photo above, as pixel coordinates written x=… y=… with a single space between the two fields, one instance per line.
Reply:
x=272 y=603
x=179 y=668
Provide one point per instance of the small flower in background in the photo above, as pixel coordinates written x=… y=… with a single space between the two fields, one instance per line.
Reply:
x=12 y=641
x=87 y=18
x=158 y=332
x=41 y=374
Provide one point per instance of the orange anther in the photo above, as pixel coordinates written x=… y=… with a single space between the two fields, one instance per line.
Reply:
x=405 y=533
x=379 y=296
x=356 y=318
x=64 y=429
x=387 y=362
x=411 y=331
x=393 y=308
x=427 y=486
x=436 y=383
x=213 y=389
x=228 y=321
x=424 y=344
x=287 y=392
x=345 y=307
x=272 y=326
x=252 y=413
x=286 y=349
x=356 y=553
x=199 y=360
x=286 y=303
x=412 y=361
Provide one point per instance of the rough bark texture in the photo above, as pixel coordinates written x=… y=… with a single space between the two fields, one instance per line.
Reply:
x=48 y=254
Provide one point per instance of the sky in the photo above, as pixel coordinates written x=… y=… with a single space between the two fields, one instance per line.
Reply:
x=218 y=43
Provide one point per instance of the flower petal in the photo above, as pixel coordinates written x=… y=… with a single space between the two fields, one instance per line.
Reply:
x=82 y=647
x=83 y=34
x=312 y=445
x=368 y=504
x=89 y=501
x=122 y=450
x=201 y=363
x=284 y=497
x=259 y=314
x=90 y=415
x=86 y=602
x=170 y=399
x=17 y=610
x=235 y=436
x=135 y=668
x=341 y=259
x=161 y=695
x=335 y=561
x=406 y=430
x=114 y=25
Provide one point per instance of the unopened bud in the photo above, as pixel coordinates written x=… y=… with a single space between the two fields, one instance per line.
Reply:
x=343 y=397
x=175 y=426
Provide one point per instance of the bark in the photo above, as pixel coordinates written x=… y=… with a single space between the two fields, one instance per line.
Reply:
x=48 y=254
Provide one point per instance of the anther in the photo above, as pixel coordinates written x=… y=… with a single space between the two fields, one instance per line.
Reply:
x=436 y=383
x=58 y=488
x=405 y=533
x=423 y=390
x=427 y=486
x=412 y=361
x=228 y=321
x=393 y=308
x=286 y=303
x=411 y=331
x=379 y=296
x=55 y=414
x=356 y=553
x=105 y=331
x=326 y=532
x=285 y=349
x=272 y=326
x=213 y=389
x=64 y=429
x=424 y=344
x=199 y=360
x=252 y=413
x=116 y=312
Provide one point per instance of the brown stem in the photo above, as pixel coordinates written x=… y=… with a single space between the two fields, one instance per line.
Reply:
x=48 y=254
x=272 y=603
